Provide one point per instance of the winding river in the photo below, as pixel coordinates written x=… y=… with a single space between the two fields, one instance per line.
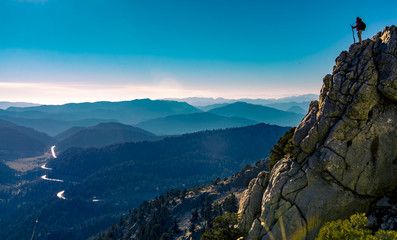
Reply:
x=60 y=194
x=53 y=152
x=44 y=177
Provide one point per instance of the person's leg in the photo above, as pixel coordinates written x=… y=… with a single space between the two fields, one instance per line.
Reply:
x=359 y=32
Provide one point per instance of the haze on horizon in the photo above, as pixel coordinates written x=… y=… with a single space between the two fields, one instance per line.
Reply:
x=59 y=51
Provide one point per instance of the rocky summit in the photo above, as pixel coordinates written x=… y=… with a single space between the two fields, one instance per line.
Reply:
x=344 y=158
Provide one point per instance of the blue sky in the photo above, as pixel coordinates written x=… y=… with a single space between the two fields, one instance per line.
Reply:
x=57 y=51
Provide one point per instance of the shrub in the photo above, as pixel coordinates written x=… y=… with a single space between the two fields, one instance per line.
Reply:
x=284 y=146
x=355 y=228
x=230 y=204
x=225 y=228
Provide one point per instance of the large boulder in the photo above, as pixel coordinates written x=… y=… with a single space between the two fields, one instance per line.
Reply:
x=345 y=149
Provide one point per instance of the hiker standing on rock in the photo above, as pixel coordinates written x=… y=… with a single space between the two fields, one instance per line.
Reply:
x=360 y=27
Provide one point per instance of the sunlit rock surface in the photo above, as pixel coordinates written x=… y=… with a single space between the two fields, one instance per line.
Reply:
x=345 y=155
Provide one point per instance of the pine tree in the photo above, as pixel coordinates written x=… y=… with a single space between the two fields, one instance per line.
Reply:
x=230 y=204
x=175 y=227
x=192 y=227
x=195 y=216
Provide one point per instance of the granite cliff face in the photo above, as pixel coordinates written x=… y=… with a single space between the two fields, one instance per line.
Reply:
x=345 y=149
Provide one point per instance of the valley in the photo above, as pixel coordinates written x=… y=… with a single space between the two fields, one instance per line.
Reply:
x=105 y=181
x=27 y=164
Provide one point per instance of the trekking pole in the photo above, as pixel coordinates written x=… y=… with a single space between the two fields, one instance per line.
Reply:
x=351 y=25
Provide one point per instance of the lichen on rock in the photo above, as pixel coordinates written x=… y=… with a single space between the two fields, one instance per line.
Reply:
x=345 y=149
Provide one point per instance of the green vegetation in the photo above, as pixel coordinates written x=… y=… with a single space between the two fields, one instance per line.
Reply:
x=204 y=203
x=230 y=204
x=150 y=221
x=284 y=146
x=355 y=228
x=7 y=175
x=154 y=220
x=225 y=228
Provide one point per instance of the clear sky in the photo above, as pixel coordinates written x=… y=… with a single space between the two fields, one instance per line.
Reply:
x=57 y=51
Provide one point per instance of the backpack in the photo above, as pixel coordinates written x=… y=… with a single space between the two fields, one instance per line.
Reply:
x=362 y=26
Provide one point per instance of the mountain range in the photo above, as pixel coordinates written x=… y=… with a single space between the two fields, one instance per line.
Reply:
x=200 y=102
x=158 y=116
x=231 y=115
x=129 y=112
x=54 y=119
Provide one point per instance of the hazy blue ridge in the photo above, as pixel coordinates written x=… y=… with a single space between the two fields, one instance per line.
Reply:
x=68 y=132
x=187 y=123
x=129 y=112
x=105 y=134
x=206 y=101
x=206 y=108
x=5 y=104
x=298 y=99
x=14 y=144
x=53 y=127
x=19 y=142
x=287 y=106
x=259 y=113
x=40 y=136
x=297 y=109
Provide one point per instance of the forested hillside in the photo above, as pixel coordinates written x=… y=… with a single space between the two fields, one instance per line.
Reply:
x=7 y=175
x=105 y=134
x=187 y=123
x=14 y=144
x=183 y=214
x=187 y=154
x=42 y=137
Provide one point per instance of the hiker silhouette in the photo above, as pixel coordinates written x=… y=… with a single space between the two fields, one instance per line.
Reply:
x=360 y=27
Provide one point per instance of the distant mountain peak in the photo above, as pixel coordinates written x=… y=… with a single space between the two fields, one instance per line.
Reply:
x=203 y=101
